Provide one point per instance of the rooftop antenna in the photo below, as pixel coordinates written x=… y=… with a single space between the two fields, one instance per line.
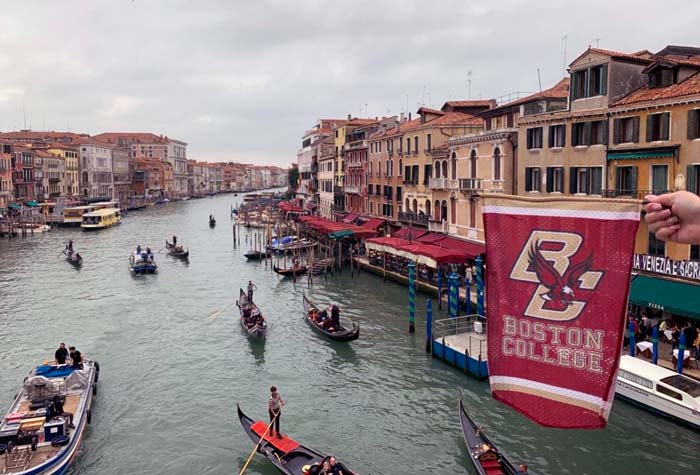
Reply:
x=469 y=81
x=564 y=40
x=430 y=98
x=539 y=80
x=366 y=111
x=422 y=102
x=597 y=42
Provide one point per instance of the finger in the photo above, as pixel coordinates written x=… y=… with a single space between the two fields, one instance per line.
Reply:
x=651 y=207
x=657 y=217
x=667 y=232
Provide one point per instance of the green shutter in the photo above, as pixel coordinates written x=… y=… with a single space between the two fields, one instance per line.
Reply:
x=650 y=127
x=574 y=82
x=563 y=135
x=562 y=179
x=692 y=124
x=550 y=179
x=633 y=179
x=665 y=125
x=528 y=132
x=605 y=125
x=691 y=178
x=635 y=129
x=587 y=134
x=550 y=136
x=574 y=129
x=617 y=130
x=604 y=80
x=528 y=179
x=573 y=180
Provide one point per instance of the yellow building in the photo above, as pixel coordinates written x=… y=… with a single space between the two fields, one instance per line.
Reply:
x=71 y=157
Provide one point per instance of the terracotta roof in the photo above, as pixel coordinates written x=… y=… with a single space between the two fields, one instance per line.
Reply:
x=479 y=103
x=43 y=154
x=356 y=121
x=559 y=91
x=427 y=110
x=688 y=87
x=643 y=56
x=138 y=137
x=454 y=118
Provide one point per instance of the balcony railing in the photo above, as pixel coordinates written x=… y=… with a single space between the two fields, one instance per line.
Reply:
x=408 y=217
x=470 y=184
x=497 y=186
x=637 y=194
x=353 y=189
x=437 y=183
x=410 y=182
x=438 y=226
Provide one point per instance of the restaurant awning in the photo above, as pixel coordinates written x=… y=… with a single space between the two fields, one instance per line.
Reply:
x=432 y=238
x=470 y=248
x=350 y=218
x=14 y=206
x=661 y=152
x=373 y=223
x=668 y=295
x=410 y=233
x=343 y=233
x=33 y=204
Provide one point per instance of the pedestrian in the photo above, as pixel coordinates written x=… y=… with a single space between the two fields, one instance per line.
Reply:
x=251 y=288
x=174 y=240
x=274 y=407
x=61 y=354
x=76 y=358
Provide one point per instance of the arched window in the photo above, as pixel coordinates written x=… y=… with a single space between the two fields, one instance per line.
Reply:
x=443 y=214
x=427 y=208
x=454 y=166
x=472 y=163
x=85 y=177
x=444 y=168
x=436 y=210
x=415 y=205
x=497 y=164
x=453 y=211
x=408 y=206
x=437 y=170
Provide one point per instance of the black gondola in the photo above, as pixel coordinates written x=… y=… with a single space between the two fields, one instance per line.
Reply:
x=248 y=311
x=177 y=251
x=288 y=455
x=292 y=271
x=487 y=459
x=73 y=257
x=255 y=255
x=343 y=334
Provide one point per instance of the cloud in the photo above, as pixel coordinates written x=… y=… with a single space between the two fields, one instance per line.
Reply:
x=246 y=79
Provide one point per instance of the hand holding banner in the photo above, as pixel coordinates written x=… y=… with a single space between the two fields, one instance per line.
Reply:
x=558 y=273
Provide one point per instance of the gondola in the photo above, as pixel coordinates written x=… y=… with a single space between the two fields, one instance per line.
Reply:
x=247 y=308
x=487 y=459
x=175 y=252
x=343 y=334
x=289 y=456
x=292 y=271
x=256 y=255
x=73 y=257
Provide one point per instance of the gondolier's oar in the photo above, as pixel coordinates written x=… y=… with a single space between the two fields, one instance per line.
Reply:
x=255 y=449
x=217 y=313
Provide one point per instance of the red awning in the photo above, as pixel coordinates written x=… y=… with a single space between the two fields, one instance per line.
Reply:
x=287 y=207
x=389 y=241
x=410 y=233
x=373 y=223
x=306 y=219
x=439 y=254
x=470 y=248
x=432 y=238
x=350 y=218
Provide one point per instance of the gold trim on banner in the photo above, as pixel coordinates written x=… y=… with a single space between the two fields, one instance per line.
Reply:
x=548 y=395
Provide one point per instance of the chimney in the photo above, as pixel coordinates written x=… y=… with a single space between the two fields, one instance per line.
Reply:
x=349 y=116
x=409 y=116
x=401 y=118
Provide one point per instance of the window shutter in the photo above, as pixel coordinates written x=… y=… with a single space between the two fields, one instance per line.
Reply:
x=691 y=179
x=550 y=136
x=573 y=180
x=574 y=130
x=563 y=136
x=605 y=125
x=574 y=82
x=528 y=179
x=562 y=179
x=550 y=179
x=650 y=128
x=635 y=129
x=587 y=134
x=665 y=126
x=604 y=79
x=633 y=179
x=617 y=128
x=692 y=124
x=529 y=138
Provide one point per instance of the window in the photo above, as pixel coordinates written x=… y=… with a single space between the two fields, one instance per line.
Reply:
x=693 y=124
x=430 y=142
x=662 y=77
x=599 y=132
x=692 y=179
x=635 y=378
x=427 y=172
x=398 y=193
x=472 y=164
x=555 y=179
x=415 y=143
x=658 y=126
x=626 y=181
x=580 y=133
x=532 y=179
x=557 y=135
x=589 y=82
x=534 y=138
x=626 y=130
x=695 y=252
x=496 y=164
x=659 y=179
x=668 y=392
x=657 y=247
x=408 y=145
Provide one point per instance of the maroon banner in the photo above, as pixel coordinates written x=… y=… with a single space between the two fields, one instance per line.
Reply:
x=557 y=281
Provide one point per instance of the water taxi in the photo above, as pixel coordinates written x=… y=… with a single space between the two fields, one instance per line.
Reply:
x=101 y=218
x=142 y=262
x=73 y=216
x=33 y=438
x=659 y=390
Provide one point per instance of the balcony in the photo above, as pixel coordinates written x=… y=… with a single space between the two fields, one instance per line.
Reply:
x=438 y=226
x=437 y=183
x=470 y=185
x=419 y=219
x=410 y=182
x=497 y=186
x=353 y=190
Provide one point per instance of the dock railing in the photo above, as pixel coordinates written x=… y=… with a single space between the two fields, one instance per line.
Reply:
x=475 y=324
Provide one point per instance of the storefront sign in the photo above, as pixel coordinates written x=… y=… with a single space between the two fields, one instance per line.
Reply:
x=663 y=265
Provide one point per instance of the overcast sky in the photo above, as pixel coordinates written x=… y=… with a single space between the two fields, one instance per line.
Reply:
x=243 y=80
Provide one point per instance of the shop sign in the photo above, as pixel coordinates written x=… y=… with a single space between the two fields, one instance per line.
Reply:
x=689 y=270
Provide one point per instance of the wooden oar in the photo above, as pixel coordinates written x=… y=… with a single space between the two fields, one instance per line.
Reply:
x=258 y=444
x=217 y=313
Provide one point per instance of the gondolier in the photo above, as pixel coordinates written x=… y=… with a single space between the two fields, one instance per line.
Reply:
x=274 y=407
x=251 y=288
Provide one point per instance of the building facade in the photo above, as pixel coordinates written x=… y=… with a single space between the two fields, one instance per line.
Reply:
x=23 y=174
x=53 y=176
x=121 y=176
x=326 y=176
x=72 y=167
x=177 y=156
x=6 y=172
x=96 y=180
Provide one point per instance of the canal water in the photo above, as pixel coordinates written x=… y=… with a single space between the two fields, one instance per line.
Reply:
x=172 y=376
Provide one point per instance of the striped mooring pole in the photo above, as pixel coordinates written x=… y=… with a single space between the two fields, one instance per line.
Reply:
x=681 y=353
x=479 y=285
x=428 y=325
x=468 y=294
x=453 y=279
x=655 y=347
x=411 y=297
x=439 y=285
